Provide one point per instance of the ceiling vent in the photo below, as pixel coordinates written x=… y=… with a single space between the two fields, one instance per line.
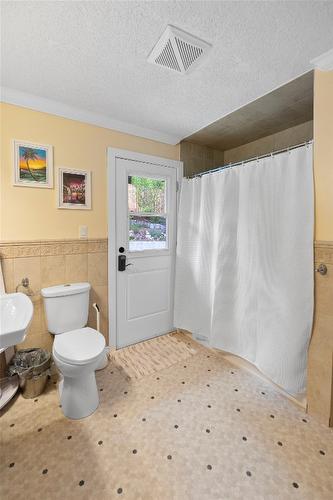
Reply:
x=178 y=50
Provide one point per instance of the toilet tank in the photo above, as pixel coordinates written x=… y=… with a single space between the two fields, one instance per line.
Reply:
x=66 y=306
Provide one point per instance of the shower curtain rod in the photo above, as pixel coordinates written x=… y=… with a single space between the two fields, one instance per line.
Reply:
x=230 y=165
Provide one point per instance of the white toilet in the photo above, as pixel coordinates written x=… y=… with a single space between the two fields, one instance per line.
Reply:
x=77 y=349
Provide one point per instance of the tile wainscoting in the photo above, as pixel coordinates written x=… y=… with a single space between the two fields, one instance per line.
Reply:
x=320 y=364
x=53 y=262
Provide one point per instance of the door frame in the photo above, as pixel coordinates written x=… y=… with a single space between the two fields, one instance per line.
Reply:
x=112 y=156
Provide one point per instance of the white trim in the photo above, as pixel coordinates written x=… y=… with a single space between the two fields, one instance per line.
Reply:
x=112 y=155
x=25 y=100
x=324 y=62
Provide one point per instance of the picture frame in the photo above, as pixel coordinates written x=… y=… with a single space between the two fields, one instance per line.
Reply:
x=33 y=164
x=74 y=189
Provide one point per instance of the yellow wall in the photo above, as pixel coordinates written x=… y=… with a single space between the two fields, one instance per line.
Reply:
x=31 y=213
x=323 y=154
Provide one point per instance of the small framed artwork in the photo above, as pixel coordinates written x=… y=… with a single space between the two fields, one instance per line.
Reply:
x=33 y=164
x=74 y=189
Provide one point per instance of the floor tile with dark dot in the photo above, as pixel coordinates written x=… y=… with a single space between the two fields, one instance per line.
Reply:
x=148 y=444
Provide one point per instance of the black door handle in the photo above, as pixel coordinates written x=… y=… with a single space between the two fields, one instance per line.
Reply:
x=121 y=262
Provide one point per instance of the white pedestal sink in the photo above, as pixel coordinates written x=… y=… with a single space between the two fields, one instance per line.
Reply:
x=16 y=312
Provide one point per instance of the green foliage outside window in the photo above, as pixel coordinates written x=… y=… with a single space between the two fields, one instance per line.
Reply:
x=150 y=194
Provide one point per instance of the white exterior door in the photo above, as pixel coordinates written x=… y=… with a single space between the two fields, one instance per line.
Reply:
x=144 y=253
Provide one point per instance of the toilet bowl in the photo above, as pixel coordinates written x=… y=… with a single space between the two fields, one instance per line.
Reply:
x=77 y=354
x=77 y=349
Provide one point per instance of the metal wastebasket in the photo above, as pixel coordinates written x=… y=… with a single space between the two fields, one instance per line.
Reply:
x=33 y=367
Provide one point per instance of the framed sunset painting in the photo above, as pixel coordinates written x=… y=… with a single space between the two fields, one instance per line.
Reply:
x=74 y=189
x=33 y=164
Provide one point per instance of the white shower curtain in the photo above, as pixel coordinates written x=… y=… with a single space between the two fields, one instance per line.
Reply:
x=244 y=272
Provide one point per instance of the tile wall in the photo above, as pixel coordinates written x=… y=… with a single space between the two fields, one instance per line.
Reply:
x=54 y=262
x=320 y=362
x=197 y=158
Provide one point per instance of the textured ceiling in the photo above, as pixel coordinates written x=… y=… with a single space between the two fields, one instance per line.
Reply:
x=282 y=108
x=92 y=55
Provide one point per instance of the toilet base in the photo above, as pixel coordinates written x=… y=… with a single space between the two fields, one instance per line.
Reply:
x=79 y=396
x=78 y=391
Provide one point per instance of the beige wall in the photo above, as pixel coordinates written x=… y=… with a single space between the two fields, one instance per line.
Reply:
x=289 y=137
x=31 y=213
x=320 y=373
x=197 y=158
x=323 y=154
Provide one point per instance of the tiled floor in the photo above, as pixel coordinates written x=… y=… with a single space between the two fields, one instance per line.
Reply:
x=200 y=429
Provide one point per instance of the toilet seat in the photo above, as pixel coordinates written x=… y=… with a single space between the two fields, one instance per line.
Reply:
x=79 y=347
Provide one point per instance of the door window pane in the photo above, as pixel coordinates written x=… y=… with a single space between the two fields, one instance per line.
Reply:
x=147 y=233
x=146 y=195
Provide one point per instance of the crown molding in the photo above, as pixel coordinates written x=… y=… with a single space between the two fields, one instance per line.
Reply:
x=25 y=100
x=324 y=62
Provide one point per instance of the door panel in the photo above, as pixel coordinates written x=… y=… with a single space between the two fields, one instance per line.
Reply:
x=146 y=229
x=154 y=300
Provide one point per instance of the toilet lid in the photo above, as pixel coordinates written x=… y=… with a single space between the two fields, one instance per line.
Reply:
x=80 y=346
